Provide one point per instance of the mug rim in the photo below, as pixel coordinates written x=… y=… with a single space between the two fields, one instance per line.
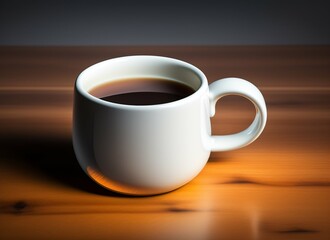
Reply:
x=191 y=97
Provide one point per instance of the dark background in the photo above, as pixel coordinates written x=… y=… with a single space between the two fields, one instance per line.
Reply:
x=143 y=22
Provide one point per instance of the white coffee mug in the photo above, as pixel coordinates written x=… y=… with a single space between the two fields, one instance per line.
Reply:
x=152 y=149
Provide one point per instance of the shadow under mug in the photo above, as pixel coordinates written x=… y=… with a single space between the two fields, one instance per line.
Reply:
x=152 y=149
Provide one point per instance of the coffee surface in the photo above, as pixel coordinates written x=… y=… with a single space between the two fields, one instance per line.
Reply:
x=141 y=91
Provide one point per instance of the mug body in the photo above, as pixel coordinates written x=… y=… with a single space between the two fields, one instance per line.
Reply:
x=141 y=150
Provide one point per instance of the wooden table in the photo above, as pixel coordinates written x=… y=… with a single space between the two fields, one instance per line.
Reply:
x=276 y=188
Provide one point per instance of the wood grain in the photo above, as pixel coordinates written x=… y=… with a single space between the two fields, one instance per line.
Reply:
x=276 y=188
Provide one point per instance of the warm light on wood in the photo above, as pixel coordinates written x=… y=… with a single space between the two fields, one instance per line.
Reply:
x=276 y=188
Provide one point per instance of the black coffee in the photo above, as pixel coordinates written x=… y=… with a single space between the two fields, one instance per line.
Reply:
x=141 y=91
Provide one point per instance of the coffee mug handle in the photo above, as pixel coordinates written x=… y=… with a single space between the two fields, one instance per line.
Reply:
x=241 y=87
